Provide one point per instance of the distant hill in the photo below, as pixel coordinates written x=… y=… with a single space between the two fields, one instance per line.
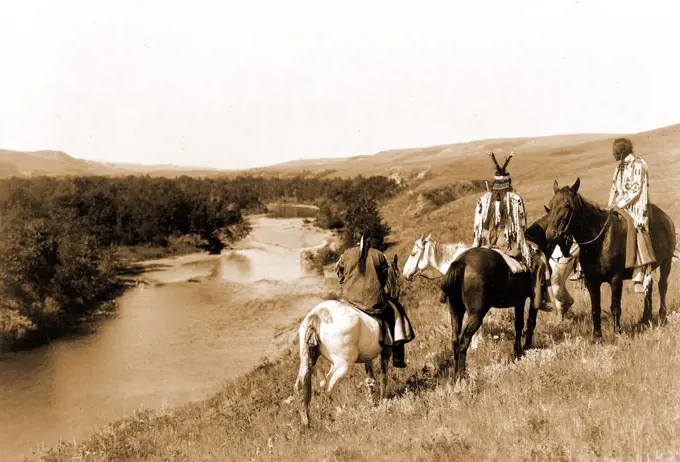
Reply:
x=549 y=155
x=55 y=163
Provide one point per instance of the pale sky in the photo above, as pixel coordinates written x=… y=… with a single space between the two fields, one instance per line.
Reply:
x=251 y=83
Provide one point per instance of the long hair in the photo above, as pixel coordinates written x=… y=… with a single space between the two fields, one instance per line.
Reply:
x=364 y=245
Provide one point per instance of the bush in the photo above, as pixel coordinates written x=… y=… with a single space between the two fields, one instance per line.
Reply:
x=364 y=218
x=329 y=217
x=316 y=261
x=446 y=194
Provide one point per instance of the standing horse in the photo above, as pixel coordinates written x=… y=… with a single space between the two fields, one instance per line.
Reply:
x=601 y=236
x=344 y=335
x=488 y=281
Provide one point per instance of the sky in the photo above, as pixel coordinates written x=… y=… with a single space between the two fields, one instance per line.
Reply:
x=235 y=85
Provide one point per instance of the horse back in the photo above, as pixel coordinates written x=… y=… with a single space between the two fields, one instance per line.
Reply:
x=487 y=274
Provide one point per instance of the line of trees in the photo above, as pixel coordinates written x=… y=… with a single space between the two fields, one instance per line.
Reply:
x=59 y=236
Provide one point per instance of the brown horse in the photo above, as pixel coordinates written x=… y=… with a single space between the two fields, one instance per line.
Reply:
x=476 y=281
x=601 y=236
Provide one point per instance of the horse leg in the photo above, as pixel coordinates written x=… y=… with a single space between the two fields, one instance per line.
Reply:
x=384 y=365
x=617 y=289
x=339 y=370
x=594 y=291
x=370 y=379
x=519 y=327
x=457 y=314
x=531 y=325
x=647 y=314
x=664 y=271
x=471 y=325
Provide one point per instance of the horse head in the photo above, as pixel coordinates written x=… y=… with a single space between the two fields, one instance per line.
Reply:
x=417 y=260
x=561 y=210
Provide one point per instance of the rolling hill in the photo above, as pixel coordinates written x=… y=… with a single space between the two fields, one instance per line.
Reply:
x=55 y=163
x=453 y=161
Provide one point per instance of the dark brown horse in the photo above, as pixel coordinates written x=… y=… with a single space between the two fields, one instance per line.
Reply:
x=476 y=281
x=601 y=235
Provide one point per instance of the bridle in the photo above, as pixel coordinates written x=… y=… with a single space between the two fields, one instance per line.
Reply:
x=418 y=271
x=566 y=228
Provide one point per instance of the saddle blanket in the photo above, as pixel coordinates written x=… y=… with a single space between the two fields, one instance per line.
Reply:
x=515 y=265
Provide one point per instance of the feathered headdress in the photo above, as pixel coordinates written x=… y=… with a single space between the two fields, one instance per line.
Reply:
x=501 y=179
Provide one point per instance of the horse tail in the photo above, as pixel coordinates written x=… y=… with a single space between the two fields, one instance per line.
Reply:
x=309 y=352
x=453 y=280
x=363 y=253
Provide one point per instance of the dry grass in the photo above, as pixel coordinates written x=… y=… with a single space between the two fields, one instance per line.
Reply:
x=567 y=399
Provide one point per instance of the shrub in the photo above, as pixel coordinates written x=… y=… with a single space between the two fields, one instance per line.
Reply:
x=364 y=218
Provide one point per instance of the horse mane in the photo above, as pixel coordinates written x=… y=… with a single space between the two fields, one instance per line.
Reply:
x=588 y=204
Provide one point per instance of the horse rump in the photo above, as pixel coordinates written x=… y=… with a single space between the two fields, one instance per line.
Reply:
x=451 y=285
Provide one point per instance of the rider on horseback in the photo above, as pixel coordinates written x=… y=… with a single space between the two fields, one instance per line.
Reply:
x=630 y=192
x=629 y=195
x=363 y=273
x=500 y=222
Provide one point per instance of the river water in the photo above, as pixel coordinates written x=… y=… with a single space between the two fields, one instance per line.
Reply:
x=193 y=322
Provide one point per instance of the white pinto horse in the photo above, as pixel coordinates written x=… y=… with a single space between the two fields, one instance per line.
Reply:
x=344 y=335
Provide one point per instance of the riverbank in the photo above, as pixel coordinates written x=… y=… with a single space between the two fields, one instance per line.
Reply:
x=184 y=325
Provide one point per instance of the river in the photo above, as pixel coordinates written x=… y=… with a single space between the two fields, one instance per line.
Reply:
x=190 y=324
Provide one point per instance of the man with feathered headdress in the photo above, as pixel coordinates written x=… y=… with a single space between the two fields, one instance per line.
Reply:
x=500 y=222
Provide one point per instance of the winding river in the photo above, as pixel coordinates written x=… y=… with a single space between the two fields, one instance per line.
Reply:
x=190 y=323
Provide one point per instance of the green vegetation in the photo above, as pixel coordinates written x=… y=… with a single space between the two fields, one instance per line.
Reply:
x=65 y=239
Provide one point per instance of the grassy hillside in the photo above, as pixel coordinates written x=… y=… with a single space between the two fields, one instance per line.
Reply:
x=568 y=399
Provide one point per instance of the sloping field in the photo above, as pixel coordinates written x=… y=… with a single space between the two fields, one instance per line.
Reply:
x=568 y=399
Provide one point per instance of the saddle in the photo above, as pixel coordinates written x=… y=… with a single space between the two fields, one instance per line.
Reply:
x=636 y=241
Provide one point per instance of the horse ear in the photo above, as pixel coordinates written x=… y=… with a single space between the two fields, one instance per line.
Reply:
x=421 y=237
x=576 y=185
x=556 y=187
x=395 y=261
x=428 y=237
x=547 y=209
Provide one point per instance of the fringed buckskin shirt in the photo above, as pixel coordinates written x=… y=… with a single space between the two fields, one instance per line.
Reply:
x=630 y=189
x=365 y=290
x=512 y=225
